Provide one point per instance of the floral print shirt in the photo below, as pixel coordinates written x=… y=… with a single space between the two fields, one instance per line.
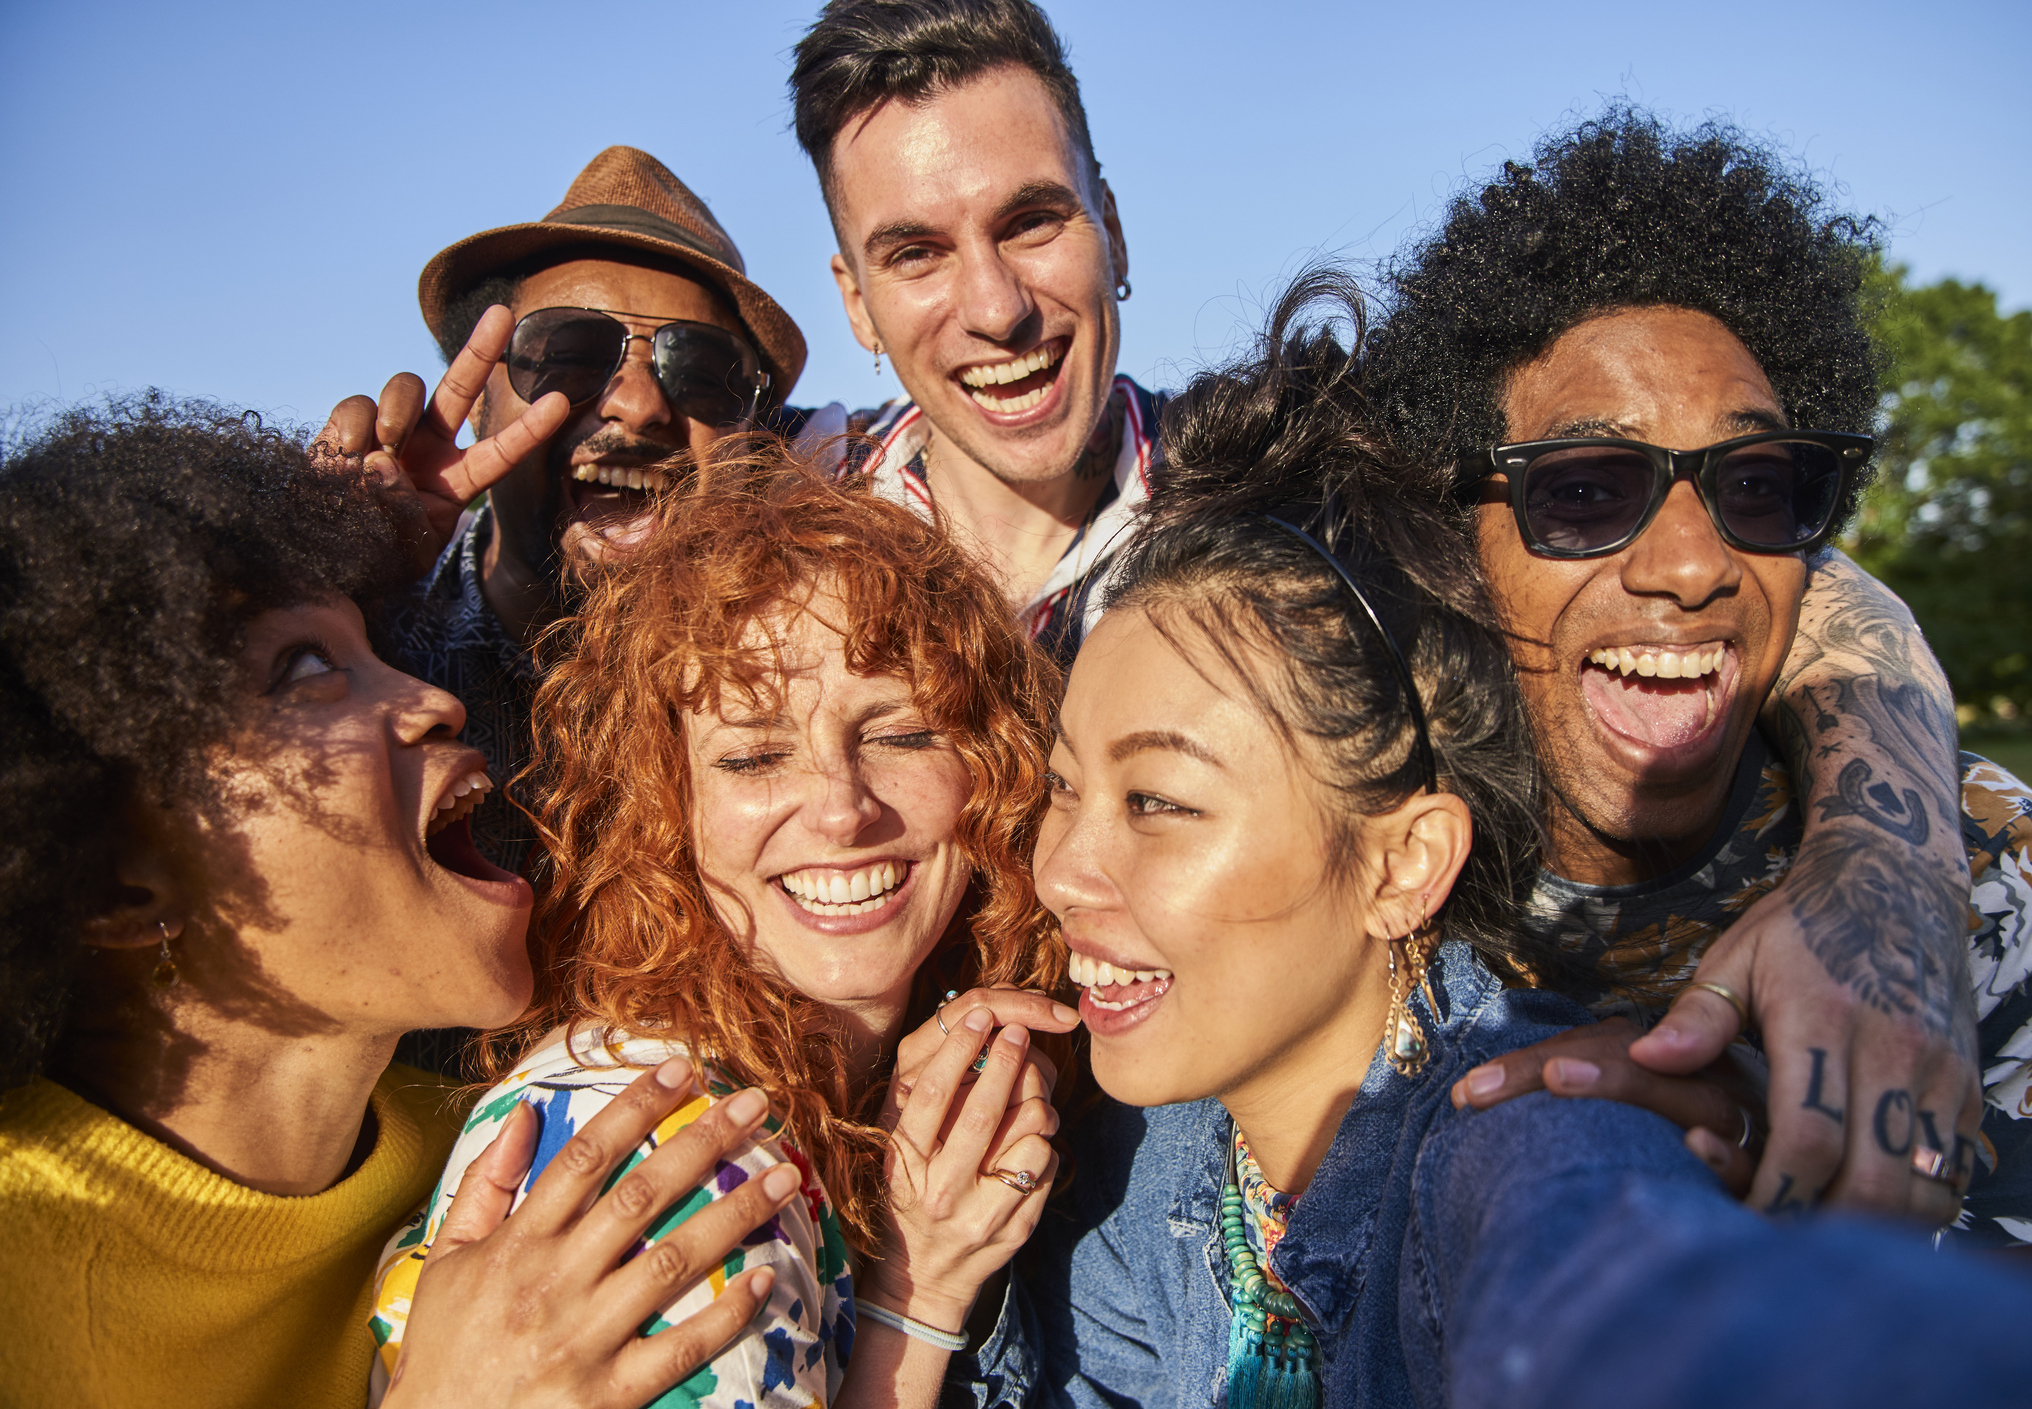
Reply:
x=1644 y=941
x=791 y=1357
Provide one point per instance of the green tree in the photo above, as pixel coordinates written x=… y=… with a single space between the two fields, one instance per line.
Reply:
x=1948 y=525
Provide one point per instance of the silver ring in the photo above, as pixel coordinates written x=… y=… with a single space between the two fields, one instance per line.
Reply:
x=1748 y=1127
x=1929 y=1163
x=1021 y=1180
x=939 y=1012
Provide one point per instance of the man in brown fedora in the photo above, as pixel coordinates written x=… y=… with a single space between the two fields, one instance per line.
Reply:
x=584 y=347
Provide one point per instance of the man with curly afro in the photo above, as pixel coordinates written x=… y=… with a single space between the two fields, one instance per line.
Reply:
x=1633 y=288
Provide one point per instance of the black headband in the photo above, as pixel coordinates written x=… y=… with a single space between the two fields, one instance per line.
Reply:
x=1397 y=661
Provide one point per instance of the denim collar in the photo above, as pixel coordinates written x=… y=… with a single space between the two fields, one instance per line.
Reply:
x=1325 y=1248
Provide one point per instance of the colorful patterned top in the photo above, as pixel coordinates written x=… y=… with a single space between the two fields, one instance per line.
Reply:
x=792 y=1355
x=1644 y=942
x=1266 y=1211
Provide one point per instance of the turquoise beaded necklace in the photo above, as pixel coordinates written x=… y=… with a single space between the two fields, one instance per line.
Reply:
x=1273 y=1359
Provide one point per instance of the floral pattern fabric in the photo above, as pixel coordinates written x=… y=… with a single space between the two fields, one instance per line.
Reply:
x=1643 y=942
x=793 y=1354
x=1266 y=1212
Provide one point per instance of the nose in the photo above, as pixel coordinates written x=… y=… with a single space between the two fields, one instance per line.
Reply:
x=994 y=301
x=841 y=806
x=1066 y=868
x=422 y=710
x=632 y=395
x=1681 y=555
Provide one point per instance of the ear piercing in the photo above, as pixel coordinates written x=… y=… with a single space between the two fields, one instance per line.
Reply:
x=165 y=975
x=878 y=357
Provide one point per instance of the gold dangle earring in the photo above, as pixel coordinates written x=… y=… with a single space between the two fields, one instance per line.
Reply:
x=165 y=975
x=1409 y=958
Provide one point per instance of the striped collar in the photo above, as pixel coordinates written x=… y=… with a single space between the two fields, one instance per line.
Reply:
x=1061 y=610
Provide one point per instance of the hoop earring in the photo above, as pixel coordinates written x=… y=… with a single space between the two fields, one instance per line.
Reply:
x=1122 y=291
x=165 y=975
x=1410 y=959
x=878 y=359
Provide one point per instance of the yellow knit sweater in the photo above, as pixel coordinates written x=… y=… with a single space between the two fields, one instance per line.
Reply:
x=132 y=1276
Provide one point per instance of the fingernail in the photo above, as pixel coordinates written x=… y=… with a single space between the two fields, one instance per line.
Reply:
x=1014 y=1035
x=383 y=467
x=746 y=1107
x=674 y=1074
x=761 y=1280
x=1485 y=1081
x=1573 y=1072
x=780 y=1182
x=978 y=1020
x=1064 y=1014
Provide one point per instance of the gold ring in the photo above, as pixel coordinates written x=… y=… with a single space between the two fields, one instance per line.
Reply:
x=1932 y=1164
x=1021 y=1180
x=1729 y=994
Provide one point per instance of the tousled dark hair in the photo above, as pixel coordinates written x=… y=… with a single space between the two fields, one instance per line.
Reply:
x=863 y=52
x=137 y=539
x=1286 y=431
x=1620 y=211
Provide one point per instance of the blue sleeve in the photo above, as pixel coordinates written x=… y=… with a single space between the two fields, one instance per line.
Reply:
x=1001 y=1372
x=1567 y=1253
x=1098 y=1348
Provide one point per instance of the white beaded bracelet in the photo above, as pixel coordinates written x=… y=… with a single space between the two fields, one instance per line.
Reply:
x=930 y=1335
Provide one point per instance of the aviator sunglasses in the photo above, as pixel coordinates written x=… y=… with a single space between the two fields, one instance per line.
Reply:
x=706 y=373
x=1773 y=492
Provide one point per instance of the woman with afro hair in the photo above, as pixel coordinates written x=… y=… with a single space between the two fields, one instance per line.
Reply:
x=236 y=869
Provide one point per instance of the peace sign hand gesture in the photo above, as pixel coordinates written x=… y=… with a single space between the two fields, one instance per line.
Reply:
x=411 y=445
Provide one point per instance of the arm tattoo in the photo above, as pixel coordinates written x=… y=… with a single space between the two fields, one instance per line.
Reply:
x=1890 y=931
x=1865 y=720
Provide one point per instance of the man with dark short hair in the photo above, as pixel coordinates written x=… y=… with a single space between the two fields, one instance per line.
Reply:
x=980 y=252
x=1638 y=288
x=583 y=348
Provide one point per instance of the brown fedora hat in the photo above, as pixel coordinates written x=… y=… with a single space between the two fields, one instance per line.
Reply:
x=626 y=197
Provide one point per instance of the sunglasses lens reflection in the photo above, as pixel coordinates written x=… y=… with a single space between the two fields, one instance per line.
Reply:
x=1778 y=493
x=1586 y=497
x=564 y=349
x=707 y=373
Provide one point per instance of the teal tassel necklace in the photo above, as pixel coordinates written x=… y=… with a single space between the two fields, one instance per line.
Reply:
x=1273 y=1360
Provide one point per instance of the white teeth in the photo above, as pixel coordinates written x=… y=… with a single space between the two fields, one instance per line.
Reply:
x=622 y=477
x=463 y=795
x=1010 y=403
x=835 y=893
x=1662 y=664
x=1089 y=972
x=1014 y=370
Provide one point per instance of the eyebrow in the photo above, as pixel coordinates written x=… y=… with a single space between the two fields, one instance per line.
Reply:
x=1130 y=745
x=896 y=232
x=1049 y=193
x=1747 y=421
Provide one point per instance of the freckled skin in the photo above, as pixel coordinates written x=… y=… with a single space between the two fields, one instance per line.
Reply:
x=1676 y=378
x=846 y=774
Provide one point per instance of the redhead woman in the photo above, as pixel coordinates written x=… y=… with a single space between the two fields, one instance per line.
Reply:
x=1291 y=816
x=792 y=754
x=236 y=869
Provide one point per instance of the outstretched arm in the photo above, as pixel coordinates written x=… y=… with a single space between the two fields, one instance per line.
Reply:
x=1855 y=968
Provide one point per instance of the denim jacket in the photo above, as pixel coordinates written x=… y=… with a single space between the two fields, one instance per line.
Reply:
x=1547 y=1252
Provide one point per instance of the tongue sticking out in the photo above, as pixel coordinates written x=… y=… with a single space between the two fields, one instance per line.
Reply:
x=1661 y=713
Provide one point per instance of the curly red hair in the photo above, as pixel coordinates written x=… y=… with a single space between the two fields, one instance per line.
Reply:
x=626 y=939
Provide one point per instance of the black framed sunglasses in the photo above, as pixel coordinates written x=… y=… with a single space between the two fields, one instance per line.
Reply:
x=706 y=373
x=1773 y=492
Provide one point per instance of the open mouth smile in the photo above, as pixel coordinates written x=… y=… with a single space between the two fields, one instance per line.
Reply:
x=1017 y=384
x=448 y=833
x=1117 y=997
x=831 y=893
x=1666 y=699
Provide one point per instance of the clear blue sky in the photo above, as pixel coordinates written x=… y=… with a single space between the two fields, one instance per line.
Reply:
x=235 y=199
